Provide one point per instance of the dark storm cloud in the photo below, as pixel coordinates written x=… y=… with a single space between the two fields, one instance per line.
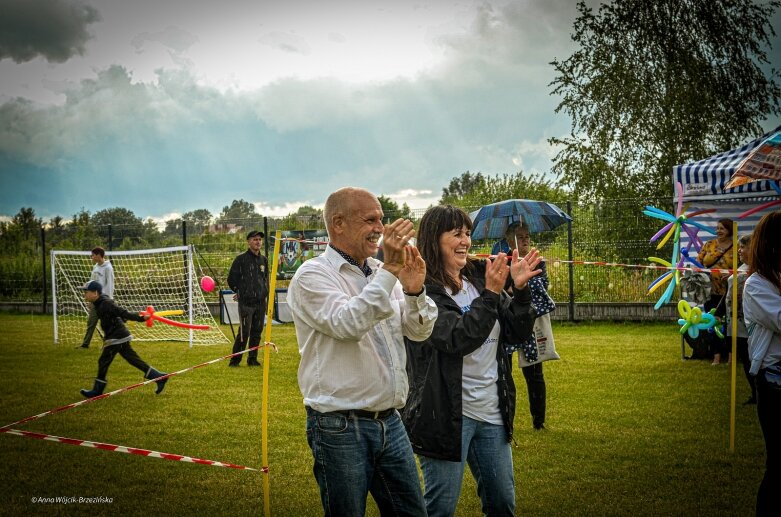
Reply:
x=53 y=29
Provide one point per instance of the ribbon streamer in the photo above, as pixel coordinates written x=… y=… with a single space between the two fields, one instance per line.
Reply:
x=126 y=450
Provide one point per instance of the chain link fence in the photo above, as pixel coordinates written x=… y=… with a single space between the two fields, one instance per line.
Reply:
x=612 y=231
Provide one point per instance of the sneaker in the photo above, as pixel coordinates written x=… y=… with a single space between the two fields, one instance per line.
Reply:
x=233 y=365
x=253 y=363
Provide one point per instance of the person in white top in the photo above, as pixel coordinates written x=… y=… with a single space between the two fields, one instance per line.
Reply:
x=762 y=311
x=351 y=313
x=102 y=272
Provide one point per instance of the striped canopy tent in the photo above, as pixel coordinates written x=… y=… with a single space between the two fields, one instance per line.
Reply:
x=704 y=187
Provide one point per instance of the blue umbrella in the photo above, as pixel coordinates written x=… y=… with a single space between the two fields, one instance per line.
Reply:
x=492 y=221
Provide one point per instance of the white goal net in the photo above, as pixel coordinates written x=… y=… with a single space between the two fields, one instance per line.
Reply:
x=163 y=278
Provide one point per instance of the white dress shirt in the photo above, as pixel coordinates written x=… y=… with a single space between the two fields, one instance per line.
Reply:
x=762 y=309
x=350 y=332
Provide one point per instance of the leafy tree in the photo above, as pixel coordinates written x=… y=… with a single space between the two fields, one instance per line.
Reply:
x=20 y=235
x=388 y=205
x=655 y=84
x=305 y=218
x=81 y=232
x=124 y=225
x=197 y=220
x=461 y=186
x=514 y=186
x=56 y=231
x=27 y=223
x=151 y=233
x=242 y=213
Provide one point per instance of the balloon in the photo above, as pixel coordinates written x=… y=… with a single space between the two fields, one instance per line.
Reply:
x=693 y=320
x=207 y=284
x=676 y=224
x=150 y=311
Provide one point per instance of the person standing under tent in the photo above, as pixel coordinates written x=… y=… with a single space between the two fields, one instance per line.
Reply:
x=742 y=335
x=762 y=310
x=116 y=339
x=717 y=254
x=351 y=314
x=517 y=237
x=462 y=396
x=102 y=272
x=248 y=279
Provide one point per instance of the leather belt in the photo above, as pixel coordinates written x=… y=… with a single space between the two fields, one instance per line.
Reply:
x=362 y=413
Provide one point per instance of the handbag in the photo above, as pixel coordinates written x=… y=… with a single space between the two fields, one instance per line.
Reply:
x=544 y=342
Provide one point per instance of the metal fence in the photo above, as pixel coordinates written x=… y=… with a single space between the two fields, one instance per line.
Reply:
x=612 y=231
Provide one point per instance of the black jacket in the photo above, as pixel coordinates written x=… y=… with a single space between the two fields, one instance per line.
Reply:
x=248 y=277
x=433 y=413
x=113 y=317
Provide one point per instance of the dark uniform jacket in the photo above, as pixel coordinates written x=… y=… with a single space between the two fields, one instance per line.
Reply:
x=113 y=318
x=248 y=277
x=433 y=413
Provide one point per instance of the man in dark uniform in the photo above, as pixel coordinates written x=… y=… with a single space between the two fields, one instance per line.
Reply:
x=248 y=278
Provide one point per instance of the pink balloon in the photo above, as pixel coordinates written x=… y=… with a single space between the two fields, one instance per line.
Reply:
x=207 y=284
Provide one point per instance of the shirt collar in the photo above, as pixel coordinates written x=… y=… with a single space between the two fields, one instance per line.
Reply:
x=365 y=269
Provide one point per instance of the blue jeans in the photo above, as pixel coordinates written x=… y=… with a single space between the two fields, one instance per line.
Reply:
x=486 y=449
x=355 y=456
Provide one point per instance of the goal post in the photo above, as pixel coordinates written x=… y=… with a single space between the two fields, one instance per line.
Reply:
x=163 y=278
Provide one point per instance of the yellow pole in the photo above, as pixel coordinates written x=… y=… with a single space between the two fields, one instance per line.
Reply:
x=734 y=330
x=264 y=399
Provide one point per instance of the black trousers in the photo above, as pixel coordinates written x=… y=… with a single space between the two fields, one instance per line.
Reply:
x=769 y=412
x=535 y=385
x=716 y=345
x=742 y=348
x=127 y=353
x=250 y=328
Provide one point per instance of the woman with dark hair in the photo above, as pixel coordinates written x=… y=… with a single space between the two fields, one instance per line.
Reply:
x=717 y=254
x=762 y=310
x=461 y=404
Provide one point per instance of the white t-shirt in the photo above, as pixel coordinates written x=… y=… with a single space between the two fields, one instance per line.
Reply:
x=479 y=395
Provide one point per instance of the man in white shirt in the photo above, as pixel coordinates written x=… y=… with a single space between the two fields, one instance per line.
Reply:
x=351 y=313
x=102 y=272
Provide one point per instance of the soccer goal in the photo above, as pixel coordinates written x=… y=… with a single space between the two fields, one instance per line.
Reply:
x=163 y=278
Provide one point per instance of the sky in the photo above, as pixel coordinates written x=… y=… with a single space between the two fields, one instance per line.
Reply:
x=169 y=106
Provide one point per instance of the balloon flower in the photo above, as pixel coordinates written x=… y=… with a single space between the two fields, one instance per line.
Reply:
x=675 y=224
x=693 y=320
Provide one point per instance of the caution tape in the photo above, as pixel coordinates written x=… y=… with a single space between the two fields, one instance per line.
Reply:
x=556 y=262
x=132 y=387
x=6 y=429
x=127 y=450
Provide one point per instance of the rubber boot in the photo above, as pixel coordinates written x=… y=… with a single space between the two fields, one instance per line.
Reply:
x=96 y=390
x=154 y=374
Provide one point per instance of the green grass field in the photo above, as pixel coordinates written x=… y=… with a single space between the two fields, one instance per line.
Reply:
x=632 y=430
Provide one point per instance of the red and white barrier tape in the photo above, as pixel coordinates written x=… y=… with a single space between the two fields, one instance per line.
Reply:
x=126 y=450
x=128 y=388
x=616 y=264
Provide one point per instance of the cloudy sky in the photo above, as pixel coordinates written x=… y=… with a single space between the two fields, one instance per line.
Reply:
x=167 y=106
